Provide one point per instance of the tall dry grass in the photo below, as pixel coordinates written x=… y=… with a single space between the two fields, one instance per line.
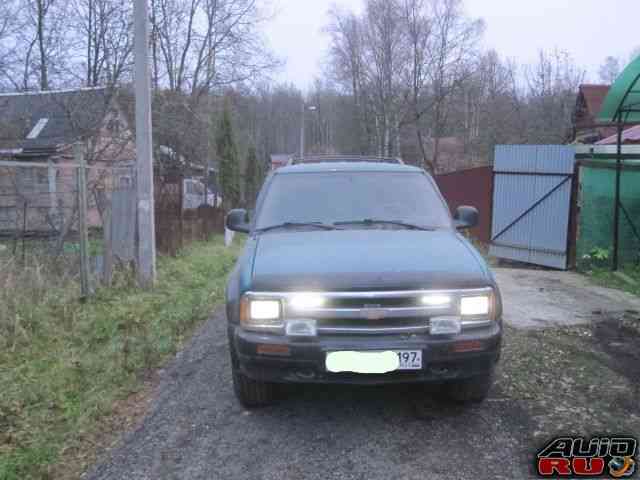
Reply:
x=63 y=363
x=30 y=285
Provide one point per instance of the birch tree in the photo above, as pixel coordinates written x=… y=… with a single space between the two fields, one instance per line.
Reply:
x=104 y=39
x=9 y=26
x=42 y=42
x=200 y=45
x=552 y=84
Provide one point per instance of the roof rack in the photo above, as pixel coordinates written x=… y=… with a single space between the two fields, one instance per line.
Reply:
x=321 y=158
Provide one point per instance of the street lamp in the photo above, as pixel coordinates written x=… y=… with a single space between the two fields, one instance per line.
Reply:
x=305 y=107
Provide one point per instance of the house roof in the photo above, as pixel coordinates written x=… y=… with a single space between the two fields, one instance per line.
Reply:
x=594 y=96
x=630 y=135
x=42 y=122
x=280 y=160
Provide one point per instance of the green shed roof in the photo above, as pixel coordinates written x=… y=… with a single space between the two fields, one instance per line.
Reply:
x=624 y=96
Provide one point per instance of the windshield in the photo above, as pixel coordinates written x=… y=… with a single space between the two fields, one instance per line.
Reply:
x=352 y=196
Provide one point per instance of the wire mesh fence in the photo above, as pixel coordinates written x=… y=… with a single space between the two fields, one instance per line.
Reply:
x=595 y=241
x=41 y=213
x=44 y=206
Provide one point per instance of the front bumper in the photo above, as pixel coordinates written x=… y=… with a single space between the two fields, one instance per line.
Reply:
x=305 y=361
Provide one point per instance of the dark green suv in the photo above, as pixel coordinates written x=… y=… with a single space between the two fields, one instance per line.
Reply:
x=355 y=272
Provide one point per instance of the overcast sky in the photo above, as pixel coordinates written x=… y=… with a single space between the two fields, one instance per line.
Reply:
x=589 y=30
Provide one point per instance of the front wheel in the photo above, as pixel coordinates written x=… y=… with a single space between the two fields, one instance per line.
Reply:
x=470 y=390
x=251 y=393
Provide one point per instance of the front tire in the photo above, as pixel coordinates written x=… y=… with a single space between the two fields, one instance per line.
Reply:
x=251 y=393
x=470 y=390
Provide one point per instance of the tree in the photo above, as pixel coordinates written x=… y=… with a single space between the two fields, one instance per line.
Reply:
x=43 y=45
x=252 y=177
x=228 y=168
x=402 y=61
x=346 y=53
x=104 y=34
x=609 y=70
x=551 y=95
x=199 y=45
x=443 y=43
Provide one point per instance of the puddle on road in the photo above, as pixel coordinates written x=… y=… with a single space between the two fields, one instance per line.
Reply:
x=618 y=338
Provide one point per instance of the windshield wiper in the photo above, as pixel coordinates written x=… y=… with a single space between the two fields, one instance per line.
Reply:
x=319 y=225
x=374 y=221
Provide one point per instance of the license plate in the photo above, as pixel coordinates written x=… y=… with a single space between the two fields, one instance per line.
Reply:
x=373 y=362
x=410 y=359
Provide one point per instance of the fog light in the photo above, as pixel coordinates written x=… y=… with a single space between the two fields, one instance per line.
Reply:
x=307 y=301
x=436 y=300
x=445 y=326
x=301 y=328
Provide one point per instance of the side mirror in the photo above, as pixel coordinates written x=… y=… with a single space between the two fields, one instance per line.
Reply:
x=237 y=221
x=466 y=217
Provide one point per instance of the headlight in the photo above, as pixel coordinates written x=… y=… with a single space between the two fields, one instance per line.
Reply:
x=475 y=306
x=264 y=309
x=260 y=314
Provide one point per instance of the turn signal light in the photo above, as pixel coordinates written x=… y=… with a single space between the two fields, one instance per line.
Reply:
x=266 y=349
x=468 y=346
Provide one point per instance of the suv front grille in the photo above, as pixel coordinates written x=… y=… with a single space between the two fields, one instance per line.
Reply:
x=384 y=326
x=374 y=312
x=385 y=302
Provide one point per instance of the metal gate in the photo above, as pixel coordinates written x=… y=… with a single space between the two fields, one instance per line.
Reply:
x=532 y=203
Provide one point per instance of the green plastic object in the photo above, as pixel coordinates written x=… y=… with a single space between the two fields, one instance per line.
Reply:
x=597 y=195
x=623 y=96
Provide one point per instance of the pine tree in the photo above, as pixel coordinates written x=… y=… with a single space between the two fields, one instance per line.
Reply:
x=228 y=168
x=252 y=177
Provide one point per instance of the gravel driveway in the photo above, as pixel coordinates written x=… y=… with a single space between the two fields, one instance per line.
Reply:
x=196 y=429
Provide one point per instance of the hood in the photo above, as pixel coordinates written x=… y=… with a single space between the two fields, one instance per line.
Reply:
x=365 y=259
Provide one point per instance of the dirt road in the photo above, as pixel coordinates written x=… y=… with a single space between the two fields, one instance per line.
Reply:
x=577 y=371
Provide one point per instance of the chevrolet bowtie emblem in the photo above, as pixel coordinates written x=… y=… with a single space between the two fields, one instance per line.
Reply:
x=373 y=312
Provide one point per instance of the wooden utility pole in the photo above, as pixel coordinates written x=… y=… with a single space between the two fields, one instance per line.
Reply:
x=81 y=177
x=145 y=200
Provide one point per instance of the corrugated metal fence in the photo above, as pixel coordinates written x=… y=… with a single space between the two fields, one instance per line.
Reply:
x=471 y=187
x=533 y=187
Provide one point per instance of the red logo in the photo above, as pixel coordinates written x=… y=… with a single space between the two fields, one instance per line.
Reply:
x=576 y=457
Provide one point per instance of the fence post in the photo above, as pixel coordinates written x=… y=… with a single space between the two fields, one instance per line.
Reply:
x=78 y=150
x=53 y=190
x=181 y=210
x=24 y=232
x=108 y=244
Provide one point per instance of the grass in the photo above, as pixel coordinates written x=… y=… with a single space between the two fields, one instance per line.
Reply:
x=566 y=383
x=604 y=277
x=64 y=365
